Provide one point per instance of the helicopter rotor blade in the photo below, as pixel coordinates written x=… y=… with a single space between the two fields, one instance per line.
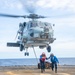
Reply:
x=35 y=16
x=13 y=16
x=32 y=16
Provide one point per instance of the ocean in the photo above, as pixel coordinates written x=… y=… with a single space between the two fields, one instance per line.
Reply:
x=33 y=61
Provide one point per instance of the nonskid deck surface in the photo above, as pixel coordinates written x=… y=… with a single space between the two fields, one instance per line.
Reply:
x=24 y=70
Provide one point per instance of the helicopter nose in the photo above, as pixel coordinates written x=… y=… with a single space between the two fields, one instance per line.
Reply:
x=38 y=30
x=34 y=32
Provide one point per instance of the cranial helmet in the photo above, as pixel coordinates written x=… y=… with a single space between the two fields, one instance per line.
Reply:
x=43 y=54
x=51 y=54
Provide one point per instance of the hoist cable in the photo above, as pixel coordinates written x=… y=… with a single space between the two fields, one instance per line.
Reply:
x=35 y=55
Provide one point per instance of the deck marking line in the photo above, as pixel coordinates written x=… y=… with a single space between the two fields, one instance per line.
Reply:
x=10 y=73
x=63 y=74
x=45 y=74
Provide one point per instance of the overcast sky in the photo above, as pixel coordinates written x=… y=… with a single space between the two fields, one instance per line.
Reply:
x=61 y=13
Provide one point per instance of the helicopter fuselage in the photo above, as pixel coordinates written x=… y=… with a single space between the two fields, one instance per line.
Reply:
x=35 y=33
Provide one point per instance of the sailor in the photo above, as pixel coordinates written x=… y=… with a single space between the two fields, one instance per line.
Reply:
x=42 y=62
x=54 y=61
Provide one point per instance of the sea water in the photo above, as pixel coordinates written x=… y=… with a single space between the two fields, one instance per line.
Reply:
x=33 y=61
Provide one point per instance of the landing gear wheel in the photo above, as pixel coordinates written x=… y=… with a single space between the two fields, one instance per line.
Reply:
x=21 y=47
x=26 y=53
x=49 y=48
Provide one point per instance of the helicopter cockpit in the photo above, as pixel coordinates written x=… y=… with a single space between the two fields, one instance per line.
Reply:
x=32 y=24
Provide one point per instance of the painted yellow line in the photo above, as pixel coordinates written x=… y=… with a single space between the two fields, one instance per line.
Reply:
x=10 y=73
x=63 y=74
x=56 y=73
x=45 y=74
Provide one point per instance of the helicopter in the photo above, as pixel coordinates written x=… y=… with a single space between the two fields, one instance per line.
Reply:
x=32 y=33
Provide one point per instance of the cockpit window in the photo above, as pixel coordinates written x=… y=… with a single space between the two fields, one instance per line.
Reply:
x=33 y=24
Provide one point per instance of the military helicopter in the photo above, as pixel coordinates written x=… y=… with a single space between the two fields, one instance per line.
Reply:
x=32 y=33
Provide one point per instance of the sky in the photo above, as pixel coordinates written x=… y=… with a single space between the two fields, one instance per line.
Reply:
x=60 y=12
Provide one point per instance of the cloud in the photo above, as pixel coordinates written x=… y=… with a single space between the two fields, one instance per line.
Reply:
x=66 y=46
x=64 y=43
x=53 y=4
x=57 y=4
x=10 y=4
